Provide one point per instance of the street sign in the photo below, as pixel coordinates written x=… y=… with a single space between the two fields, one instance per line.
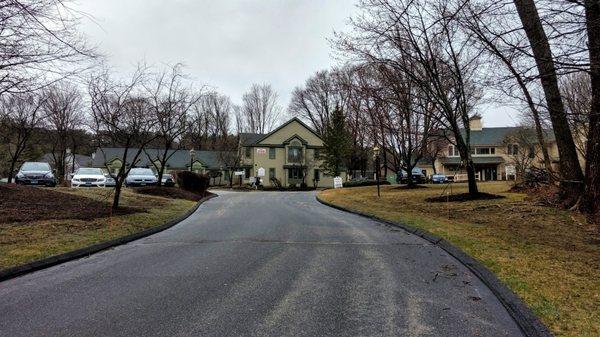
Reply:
x=261 y=151
x=337 y=182
x=261 y=172
x=238 y=173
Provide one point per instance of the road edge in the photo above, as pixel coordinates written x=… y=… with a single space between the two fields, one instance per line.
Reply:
x=12 y=272
x=528 y=322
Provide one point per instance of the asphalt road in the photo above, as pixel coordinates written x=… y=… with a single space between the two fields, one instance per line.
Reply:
x=259 y=264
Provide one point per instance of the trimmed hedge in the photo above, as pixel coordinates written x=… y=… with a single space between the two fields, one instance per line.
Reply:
x=368 y=182
x=192 y=182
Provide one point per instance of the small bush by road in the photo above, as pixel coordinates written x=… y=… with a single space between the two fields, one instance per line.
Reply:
x=547 y=255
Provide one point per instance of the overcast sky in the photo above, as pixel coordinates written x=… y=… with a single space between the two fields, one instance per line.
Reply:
x=227 y=44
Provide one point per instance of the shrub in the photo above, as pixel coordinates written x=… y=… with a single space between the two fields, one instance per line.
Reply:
x=192 y=182
x=368 y=182
x=303 y=185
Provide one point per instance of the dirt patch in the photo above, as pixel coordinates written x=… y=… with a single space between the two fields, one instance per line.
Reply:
x=25 y=204
x=464 y=197
x=170 y=192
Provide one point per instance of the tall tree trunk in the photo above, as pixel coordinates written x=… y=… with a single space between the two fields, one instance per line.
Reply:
x=117 y=195
x=592 y=167
x=570 y=168
x=465 y=155
x=539 y=131
x=470 y=166
x=13 y=164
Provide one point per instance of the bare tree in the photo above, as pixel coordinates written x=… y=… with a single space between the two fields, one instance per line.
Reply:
x=318 y=98
x=214 y=111
x=539 y=43
x=521 y=144
x=20 y=116
x=39 y=39
x=591 y=198
x=491 y=26
x=122 y=118
x=63 y=115
x=577 y=94
x=171 y=100
x=407 y=117
x=422 y=40
x=260 y=109
x=230 y=157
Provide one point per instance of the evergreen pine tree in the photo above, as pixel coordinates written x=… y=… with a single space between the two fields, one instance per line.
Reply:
x=337 y=144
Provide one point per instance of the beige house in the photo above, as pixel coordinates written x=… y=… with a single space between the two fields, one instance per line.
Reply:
x=495 y=157
x=288 y=154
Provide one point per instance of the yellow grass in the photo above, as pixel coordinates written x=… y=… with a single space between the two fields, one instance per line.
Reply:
x=21 y=243
x=546 y=255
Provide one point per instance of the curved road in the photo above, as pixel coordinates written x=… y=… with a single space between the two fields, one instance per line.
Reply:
x=259 y=264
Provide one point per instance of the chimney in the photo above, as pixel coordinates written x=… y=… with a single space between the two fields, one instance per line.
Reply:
x=475 y=123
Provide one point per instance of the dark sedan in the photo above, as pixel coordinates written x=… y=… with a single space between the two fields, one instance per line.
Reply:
x=34 y=173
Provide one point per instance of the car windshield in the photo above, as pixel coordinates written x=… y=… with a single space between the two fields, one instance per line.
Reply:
x=141 y=172
x=89 y=171
x=35 y=167
x=167 y=176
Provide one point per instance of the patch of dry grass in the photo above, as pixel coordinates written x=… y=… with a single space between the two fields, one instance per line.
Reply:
x=548 y=256
x=25 y=242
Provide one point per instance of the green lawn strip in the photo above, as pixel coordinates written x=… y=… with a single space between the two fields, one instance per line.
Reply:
x=541 y=253
x=23 y=243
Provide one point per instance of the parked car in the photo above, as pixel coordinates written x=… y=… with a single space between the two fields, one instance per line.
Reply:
x=168 y=180
x=88 y=177
x=439 y=179
x=35 y=173
x=110 y=181
x=140 y=177
x=417 y=176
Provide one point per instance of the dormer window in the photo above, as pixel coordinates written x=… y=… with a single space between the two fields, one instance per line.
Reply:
x=453 y=151
x=482 y=151
x=513 y=149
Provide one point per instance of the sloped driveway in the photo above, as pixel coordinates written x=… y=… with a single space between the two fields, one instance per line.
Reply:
x=259 y=264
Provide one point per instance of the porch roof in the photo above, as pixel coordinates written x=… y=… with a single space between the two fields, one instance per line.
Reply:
x=476 y=160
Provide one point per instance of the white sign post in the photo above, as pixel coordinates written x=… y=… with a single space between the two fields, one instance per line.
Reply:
x=337 y=182
x=261 y=172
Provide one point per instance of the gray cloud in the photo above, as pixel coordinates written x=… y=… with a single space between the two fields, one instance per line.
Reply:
x=228 y=44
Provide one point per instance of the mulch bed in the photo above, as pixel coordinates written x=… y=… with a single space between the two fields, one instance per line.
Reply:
x=407 y=187
x=464 y=197
x=170 y=192
x=24 y=204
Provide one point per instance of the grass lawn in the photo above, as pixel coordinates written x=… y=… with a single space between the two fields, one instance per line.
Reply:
x=547 y=256
x=28 y=240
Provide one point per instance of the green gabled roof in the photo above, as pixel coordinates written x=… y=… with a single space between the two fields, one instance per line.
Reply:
x=476 y=160
x=496 y=136
x=178 y=158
